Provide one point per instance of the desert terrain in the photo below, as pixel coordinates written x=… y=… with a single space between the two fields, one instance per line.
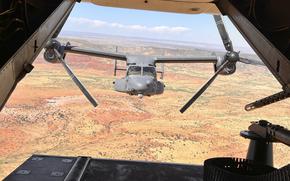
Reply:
x=47 y=114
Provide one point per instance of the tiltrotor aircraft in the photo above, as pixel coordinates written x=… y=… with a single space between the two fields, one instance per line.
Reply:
x=28 y=26
x=141 y=76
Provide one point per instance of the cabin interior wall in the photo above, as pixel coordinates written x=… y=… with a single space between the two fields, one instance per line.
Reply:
x=271 y=17
x=18 y=21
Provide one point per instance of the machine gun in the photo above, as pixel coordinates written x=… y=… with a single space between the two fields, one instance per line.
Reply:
x=263 y=134
x=273 y=133
x=259 y=162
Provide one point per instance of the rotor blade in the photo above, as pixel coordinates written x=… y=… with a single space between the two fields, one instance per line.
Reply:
x=208 y=59
x=76 y=80
x=223 y=33
x=203 y=88
x=72 y=49
x=251 y=61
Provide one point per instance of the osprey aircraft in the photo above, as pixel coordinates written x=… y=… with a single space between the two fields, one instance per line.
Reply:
x=28 y=26
x=141 y=73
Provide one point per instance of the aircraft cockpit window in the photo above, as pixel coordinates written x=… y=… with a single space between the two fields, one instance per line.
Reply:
x=134 y=70
x=149 y=71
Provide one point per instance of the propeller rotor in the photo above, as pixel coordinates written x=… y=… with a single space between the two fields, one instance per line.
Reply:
x=54 y=53
x=228 y=63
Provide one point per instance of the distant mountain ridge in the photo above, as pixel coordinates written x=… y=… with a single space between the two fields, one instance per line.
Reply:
x=163 y=42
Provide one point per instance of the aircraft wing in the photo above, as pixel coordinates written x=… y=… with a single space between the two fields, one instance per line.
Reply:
x=101 y=54
x=209 y=59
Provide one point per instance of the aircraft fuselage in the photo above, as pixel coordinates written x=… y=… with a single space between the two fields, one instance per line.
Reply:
x=140 y=80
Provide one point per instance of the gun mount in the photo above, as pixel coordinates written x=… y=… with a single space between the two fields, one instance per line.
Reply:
x=262 y=135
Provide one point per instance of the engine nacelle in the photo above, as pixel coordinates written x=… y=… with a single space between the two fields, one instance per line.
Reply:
x=49 y=54
x=228 y=70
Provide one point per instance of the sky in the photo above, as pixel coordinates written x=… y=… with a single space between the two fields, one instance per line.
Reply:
x=87 y=17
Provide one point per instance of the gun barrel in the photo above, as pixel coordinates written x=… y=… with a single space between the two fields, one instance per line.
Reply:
x=283 y=136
